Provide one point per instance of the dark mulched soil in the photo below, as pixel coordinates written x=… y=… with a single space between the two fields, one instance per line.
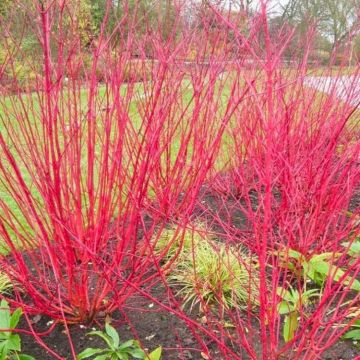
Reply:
x=152 y=325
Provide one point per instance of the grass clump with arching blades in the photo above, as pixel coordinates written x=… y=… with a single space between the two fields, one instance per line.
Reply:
x=173 y=242
x=212 y=274
x=5 y=283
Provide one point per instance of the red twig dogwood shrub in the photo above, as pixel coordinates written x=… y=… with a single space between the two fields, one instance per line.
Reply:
x=91 y=169
x=292 y=177
x=96 y=165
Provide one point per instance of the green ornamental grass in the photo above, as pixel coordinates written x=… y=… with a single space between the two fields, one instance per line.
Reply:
x=211 y=274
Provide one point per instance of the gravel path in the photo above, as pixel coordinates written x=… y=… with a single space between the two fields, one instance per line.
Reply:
x=346 y=88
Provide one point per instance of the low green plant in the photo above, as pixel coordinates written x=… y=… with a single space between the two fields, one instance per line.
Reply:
x=354 y=333
x=169 y=242
x=353 y=247
x=353 y=250
x=317 y=267
x=115 y=350
x=213 y=274
x=10 y=343
x=292 y=304
x=5 y=283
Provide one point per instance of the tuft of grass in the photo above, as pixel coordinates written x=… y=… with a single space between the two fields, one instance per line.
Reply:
x=5 y=283
x=212 y=274
x=172 y=242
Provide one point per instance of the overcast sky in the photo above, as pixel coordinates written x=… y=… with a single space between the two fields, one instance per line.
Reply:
x=273 y=5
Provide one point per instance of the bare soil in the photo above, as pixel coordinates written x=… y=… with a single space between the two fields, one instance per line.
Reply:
x=154 y=326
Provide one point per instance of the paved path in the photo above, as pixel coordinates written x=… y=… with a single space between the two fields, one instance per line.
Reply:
x=346 y=88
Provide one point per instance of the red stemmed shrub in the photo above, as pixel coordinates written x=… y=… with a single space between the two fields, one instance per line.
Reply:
x=91 y=169
x=225 y=131
x=292 y=178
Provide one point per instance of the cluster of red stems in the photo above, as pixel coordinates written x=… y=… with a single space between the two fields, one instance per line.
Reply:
x=91 y=172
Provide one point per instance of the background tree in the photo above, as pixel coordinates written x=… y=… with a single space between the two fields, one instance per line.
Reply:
x=333 y=22
x=334 y=19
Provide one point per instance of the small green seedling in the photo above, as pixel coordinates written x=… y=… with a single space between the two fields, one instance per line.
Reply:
x=10 y=343
x=291 y=305
x=171 y=244
x=353 y=250
x=115 y=350
x=354 y=333
x=214 y=275
x=5 y=283
x=318 y=267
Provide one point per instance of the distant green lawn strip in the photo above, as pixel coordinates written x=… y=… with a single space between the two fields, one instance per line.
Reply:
x=134 y=116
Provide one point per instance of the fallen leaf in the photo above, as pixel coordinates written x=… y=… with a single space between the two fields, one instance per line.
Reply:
x=150 y=337
x=35 y=319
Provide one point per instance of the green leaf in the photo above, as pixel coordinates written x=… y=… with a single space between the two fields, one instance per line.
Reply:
x=290 y=326
x=15 y=317
x=317 y=271
x=352 y=334
x=293 y=254
x=337 y=273
x=353 y=249
x=284 y=308
x=288 y=265
x=355 y=284
x=127 y=344
x=113 y=334
x=320 y=266
x=324 y=256
x=3 y=350
x=104 y=357
x=284 y=294
x=4 y=315
x=307 y=269
x=137 y=353
x=286 y=255
x=4 y=353
x=25 y=357
x=104 y=336
x=122 y=355
x=89 y=352
x=228 y=325
x=309 y=294
x=14 y=342
x=155 y=355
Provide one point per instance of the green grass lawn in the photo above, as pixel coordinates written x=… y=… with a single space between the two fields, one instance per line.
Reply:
x=29 y=104
x=8 y=106
x=9 y=124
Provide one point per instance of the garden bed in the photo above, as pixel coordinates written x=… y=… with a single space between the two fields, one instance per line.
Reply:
x=154 y=326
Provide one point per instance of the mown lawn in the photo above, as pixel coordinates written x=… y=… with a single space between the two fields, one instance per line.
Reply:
x=9 y=105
